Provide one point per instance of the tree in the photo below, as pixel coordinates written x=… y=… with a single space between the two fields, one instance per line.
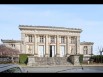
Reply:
x=100 y=51
x=8 y=52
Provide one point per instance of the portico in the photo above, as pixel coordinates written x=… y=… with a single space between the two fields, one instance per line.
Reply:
x=50 y=41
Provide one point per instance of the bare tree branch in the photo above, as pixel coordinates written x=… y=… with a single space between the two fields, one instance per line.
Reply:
x=5 y=51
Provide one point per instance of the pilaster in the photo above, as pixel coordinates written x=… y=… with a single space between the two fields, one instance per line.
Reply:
x=46 y=46
x=78 y=45
x=57 y=47
x=68 y=46
x=35 y=46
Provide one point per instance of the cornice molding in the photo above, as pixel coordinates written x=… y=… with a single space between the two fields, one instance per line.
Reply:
x=86 y=43
x=50 y=28
x=10 y=41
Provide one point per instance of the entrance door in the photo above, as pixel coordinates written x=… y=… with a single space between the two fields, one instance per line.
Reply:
x=41 y=51
x=52 y=51
x=62 y=51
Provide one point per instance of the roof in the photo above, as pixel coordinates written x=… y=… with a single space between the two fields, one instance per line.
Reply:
x=86 y=43
x=21 y=27
x=10 y=41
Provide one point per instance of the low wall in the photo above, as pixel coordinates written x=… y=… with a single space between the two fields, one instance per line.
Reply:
x=38 y=61
x=9 y=60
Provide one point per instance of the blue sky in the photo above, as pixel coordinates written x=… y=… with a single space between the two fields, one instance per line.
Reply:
x=85 y=16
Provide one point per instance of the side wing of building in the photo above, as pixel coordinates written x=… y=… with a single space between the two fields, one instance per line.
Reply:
x=15 y=44
x=86 y=48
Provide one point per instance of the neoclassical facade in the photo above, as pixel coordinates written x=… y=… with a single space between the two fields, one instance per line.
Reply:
x=48 y=41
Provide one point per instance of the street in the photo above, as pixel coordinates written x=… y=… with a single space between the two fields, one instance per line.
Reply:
x=65 y=69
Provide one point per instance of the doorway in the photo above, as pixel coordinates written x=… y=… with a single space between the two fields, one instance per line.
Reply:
x=52 y=50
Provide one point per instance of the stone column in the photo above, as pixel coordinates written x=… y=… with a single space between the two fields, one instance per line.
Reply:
x=23 y=43
x=46 y=46
x=35 y=46
x=78 y=45
x=67 y=45
x=57 y=47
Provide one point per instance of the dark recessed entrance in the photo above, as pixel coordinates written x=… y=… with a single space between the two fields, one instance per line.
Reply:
x=50 y=51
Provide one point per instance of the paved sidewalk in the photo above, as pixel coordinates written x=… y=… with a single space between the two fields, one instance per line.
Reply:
x=64 y=65
x=65 y=69
x=92 y=64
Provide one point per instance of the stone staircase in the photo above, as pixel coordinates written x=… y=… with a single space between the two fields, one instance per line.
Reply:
x=50 y=61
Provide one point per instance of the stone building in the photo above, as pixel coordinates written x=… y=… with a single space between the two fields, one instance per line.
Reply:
x=15 y=44
x=86 y=48
x=48 y=41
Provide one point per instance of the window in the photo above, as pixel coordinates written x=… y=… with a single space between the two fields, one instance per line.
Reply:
x=85 y=50
x=52 y=39
x=13 y=45
x=30 y=38
x=41 y=39
x=72 y=40
x=62 y=39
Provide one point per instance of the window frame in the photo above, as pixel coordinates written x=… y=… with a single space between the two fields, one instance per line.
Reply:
x=52 y=39
x=62 y=39
x=41 y=40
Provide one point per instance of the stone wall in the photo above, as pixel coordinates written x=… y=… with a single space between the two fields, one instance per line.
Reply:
x=74 y=59
x=51 y=61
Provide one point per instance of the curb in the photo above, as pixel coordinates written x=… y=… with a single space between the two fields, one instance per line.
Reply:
x=46 y=66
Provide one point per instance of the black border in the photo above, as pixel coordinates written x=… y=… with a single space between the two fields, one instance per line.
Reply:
x=51 y=2
x=50 y=74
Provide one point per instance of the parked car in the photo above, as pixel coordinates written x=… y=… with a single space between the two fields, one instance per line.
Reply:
x=11 y=68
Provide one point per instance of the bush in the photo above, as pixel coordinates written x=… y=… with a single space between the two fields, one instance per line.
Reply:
x=81 y=58
x=97 y=58
x=23 y=58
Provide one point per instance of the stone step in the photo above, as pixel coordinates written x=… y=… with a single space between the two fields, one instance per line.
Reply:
x=50 y=61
